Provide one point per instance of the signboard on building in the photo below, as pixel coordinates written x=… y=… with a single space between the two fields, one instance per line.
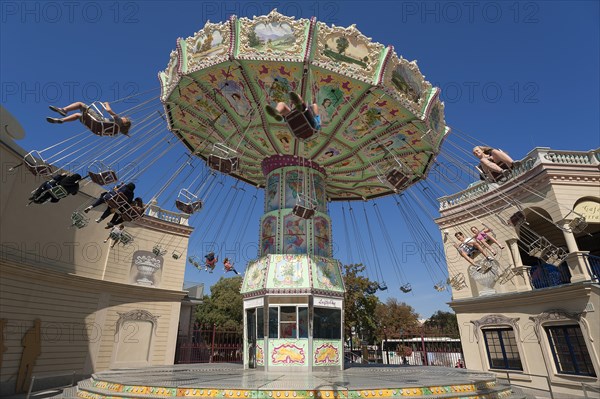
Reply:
x=590 y=210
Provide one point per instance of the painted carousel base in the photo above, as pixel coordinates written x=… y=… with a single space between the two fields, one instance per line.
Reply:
x=231 y=381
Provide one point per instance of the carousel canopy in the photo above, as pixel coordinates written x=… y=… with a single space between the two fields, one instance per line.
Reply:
x=378 y=113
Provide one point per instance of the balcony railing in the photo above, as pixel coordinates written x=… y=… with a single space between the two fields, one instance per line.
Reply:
x=168 y=216
x=546 y=275
x=593 y=265
x=535 y=157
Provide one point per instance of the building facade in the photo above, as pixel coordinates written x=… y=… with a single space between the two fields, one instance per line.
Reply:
x=531 y=314
x=69 y=302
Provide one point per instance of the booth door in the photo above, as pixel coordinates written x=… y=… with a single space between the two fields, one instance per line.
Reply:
x=251 y=337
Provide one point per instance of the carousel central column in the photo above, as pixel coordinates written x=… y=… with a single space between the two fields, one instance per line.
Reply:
x=293 y=181
x=293 y=293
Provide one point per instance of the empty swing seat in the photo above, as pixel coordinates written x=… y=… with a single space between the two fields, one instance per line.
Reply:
x=578 y=224
x=305 y=207
x=36 y=164
x=299 y=125
x=371 y=290
x=158 y=251
x=188 y=207
x=223 y=165
x=93 y=118
x=303 y=212
x=457 y=281
x=539 y=247
x=555 y=256
x=397 y=179
x=187 y=202
x=440 y=287
x=103 y=177
x=516 y=219
x=125 y=238
x=223 y=159
x=79 y=220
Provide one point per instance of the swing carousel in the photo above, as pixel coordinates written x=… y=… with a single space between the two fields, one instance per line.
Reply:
x=382 y=125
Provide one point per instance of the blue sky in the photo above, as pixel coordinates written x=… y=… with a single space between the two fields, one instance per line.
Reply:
x=513 y=74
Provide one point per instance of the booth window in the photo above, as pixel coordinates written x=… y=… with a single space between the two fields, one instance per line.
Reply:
x=327 y=323
x=288 y=322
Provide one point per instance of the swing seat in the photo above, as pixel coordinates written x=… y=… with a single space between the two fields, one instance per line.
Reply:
x=382 y=286
x=94 y=119
x=103 y=177
x=125 y=238
x=299 y=125
x=223 y=165
x=117 y=201
x=79 y=220
x=34 y=162
x=223 y=159
x=176 y=255
x=539 y=247
x=188 y=207
x=486 y=264
x=122 y=206
x=187 y=202
x=457 y=281
x=57 y=192
x=440 y=287
x=371 y=289
x=158 y=251
x=517 y=219
x=406 y=288
x=555 y=256
x=115 y=236
x=508 y=274
x=194 y=261
x=130 y=213
x=303 y=212
x=397 y=179
x=305 y=206
x=578 y=224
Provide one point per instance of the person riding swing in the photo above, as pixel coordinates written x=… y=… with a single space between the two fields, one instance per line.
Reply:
x=304 y=121
x=91 y=116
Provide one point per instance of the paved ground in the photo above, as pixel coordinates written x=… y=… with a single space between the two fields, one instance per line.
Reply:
x=232 y=376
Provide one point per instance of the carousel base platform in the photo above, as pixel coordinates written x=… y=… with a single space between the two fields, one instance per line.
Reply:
x=231 y=381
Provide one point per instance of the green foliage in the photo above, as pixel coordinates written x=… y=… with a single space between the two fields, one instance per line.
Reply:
x=253 y=40
x=394 y=318
x=445 y=322
x=224 y=306
x=342 y=44
x=359 y=307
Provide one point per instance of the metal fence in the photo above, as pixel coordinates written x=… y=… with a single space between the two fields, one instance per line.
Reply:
x=425 y=347
x=209 y=344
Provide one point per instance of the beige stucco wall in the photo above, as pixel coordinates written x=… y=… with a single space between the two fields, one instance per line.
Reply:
x=551 y=189
x=94 y=315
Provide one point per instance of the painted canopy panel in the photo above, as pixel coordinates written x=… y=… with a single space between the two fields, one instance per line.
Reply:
x=377 y=110
x=289 y=273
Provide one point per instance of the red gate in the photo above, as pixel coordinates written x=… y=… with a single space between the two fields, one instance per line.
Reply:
x=208 y=344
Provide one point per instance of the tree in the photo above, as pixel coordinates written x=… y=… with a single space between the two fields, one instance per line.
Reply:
x=394 y=318
x=359 y=307
x=445 y=322
x=224 y=307
x=253 y=40
x=342 y=44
